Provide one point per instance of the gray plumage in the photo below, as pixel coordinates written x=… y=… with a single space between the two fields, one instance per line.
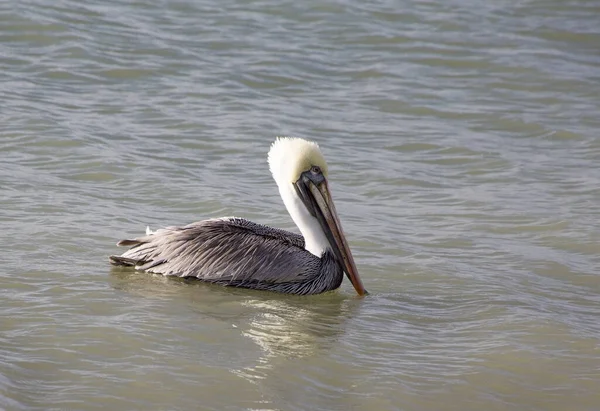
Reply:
x=234 y=252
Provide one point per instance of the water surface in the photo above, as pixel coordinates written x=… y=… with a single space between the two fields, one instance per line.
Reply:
x=464 y=156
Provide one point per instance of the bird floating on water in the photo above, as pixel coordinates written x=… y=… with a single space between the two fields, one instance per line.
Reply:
x=236 y=252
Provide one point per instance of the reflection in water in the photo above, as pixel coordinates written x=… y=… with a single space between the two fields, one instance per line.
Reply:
x=281 y=326
x=294 y=328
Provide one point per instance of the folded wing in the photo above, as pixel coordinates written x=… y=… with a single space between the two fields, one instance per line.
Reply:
x=228 y=251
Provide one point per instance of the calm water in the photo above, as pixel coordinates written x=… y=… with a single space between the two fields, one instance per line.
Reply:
x=464 y=158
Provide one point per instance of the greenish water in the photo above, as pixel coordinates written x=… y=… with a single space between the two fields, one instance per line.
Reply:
x=462 y=139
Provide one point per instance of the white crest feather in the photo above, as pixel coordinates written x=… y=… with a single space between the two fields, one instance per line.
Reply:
x=290 y=156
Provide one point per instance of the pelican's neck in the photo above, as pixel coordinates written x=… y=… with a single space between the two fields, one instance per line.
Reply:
x=315 y=240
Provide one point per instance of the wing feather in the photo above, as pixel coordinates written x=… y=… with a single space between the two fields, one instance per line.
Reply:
x=229 y=251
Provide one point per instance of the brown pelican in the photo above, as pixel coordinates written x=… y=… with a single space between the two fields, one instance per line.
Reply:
x=236 y=252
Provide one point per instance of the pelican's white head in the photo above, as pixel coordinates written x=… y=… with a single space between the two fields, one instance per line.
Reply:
x=300 y=171
x=289 y=157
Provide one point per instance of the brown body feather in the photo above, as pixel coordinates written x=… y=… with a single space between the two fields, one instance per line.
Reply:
x=234 y=252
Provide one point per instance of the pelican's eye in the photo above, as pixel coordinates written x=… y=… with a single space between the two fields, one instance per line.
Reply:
x=315 y=170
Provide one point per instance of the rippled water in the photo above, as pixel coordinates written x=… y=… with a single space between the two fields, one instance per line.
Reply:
x=464 y=158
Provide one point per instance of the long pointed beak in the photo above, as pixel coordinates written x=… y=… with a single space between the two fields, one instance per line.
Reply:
x=333 y=230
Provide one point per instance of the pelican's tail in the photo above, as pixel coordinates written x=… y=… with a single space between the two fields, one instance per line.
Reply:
x=124 y=261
